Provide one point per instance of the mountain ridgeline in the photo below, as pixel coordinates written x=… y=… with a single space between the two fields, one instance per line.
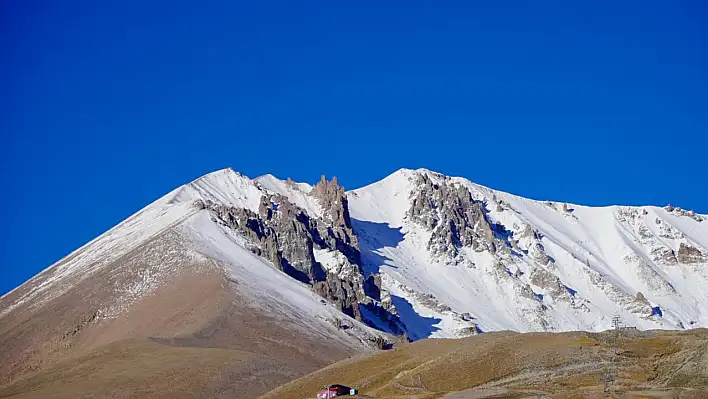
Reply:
x=282 y=276
x=288 y=237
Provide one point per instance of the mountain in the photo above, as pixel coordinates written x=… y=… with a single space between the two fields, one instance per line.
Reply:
x=457 y=256
x=240 y=284
x=174 y=301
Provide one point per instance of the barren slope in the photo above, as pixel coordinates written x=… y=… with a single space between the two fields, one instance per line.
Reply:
x=190 y=335
x=508 y=365
x=168 y=281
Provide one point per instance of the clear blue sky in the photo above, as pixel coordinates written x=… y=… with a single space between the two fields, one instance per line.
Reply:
x=107 y=105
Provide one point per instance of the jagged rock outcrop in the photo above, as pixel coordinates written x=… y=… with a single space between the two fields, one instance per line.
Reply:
x=664 y=255
x=668 y=231
x=469 y=331
x=682 y=212
x=333 y=200
x=644 y=232
x=535 y=249
x=551 y=283
x=346 y=294
x=372 y=286
x=454 y=217
x=688 y=254
x=641 y=298
x=538 y=253
x=286 y=235
x=295 y=234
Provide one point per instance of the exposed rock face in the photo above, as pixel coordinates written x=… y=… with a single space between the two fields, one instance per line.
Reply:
x=664 y=255
x=528 y=232
x=372 y=286
x=454 y=217
x=668 y=231
x=626 y=301
x=688 y=254
x=536 y=250
x=333 y=200
x=550 y=282
x=641 y=298
x=640 y=305
x=286 y=235
x=346 y=294
x=682 y=212
x=295 y=234
x=644 y=232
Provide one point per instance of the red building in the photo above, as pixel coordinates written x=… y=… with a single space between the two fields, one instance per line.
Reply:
x=334 y=390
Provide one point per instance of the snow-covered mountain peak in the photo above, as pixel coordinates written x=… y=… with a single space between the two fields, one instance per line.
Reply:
x=275 y=184
x=224 y=186
x=556 y=264
x=432 y=255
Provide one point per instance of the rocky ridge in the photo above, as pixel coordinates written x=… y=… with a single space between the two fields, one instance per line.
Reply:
x=424 y=254
x=454 y=217
x=291 y=240
x=522 y=246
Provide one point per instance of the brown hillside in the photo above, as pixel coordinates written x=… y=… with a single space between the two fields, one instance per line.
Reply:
x=194 y=335
x=512 y=365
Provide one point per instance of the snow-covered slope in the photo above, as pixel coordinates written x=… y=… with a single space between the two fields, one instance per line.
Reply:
x=565 y=267
x=419 y=252
x=275 y=293
x=183 y=210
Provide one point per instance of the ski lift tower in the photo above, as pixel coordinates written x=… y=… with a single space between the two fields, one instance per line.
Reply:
x=610 y=376
x=616 y=322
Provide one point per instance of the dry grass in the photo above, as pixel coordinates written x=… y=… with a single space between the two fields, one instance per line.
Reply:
x=522 y=365
x=139 y=368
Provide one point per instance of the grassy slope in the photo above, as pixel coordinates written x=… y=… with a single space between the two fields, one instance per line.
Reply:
x=517 y=365
x=150 y=369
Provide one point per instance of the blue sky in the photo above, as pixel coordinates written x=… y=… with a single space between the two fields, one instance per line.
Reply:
x=105 y=106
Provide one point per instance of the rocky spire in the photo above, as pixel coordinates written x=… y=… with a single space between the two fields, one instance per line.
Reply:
x=333 y=200
x=286 y=235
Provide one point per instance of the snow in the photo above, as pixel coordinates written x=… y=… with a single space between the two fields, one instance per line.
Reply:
x=421 y=320
x=334 y=261
x=603 y=256
x=224 y=186
x=593 y=235
x=297 y=193
x=270 y=289
x=381 y=201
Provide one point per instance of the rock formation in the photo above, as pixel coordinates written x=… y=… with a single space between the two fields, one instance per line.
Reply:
x=689 y=254
x=286 y=235
x=454 y=217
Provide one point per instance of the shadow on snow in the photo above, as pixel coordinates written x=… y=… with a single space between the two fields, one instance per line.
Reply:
x=373 y=238
x=418 y=326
